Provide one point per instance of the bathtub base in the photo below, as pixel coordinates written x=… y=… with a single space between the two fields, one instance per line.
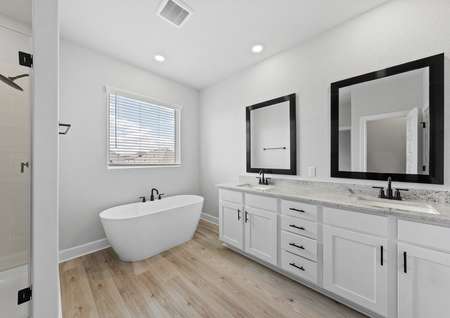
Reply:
x=137 y=238
x=154 y=253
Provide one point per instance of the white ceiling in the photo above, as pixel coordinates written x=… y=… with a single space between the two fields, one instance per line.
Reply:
x=19 y=10
x=214 y=43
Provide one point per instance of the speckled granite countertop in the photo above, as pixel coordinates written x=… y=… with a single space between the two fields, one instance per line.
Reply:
x=356 y=198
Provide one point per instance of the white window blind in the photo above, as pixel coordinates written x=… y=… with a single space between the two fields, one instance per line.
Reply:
x=141 y=132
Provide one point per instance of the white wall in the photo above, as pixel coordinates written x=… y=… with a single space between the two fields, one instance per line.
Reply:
x=87 y=186
x=14 y=37
x=397 y=32
x=45 y=275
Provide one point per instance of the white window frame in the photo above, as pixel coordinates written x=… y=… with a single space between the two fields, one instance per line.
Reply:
x=178 y=110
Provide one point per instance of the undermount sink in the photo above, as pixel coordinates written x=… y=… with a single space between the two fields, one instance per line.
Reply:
x=398 y=205
x=260 y=187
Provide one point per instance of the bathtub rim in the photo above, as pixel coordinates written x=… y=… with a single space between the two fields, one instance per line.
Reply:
x=103 y=217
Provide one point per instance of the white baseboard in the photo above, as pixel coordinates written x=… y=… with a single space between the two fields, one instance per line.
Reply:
x=209 y=218
x=80 y=250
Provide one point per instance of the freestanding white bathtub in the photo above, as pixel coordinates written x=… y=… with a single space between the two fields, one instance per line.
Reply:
x=140 y=230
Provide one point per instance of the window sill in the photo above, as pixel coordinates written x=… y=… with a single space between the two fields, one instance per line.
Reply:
x=178 y=165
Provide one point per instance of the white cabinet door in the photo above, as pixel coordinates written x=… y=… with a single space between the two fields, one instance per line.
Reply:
x=356 y=268
x=423 y=282
x=231 y=225
x=261 y=234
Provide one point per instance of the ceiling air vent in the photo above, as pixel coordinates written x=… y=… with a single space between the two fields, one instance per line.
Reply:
x=174 y=11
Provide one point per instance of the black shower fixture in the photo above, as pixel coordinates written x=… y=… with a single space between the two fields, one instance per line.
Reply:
x=10 y=80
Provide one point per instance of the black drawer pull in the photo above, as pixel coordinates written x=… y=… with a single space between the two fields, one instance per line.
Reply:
x=297 y=227
x=245 y=216
x=239 y=214
x=297 y=246
x=382 y=255
x=297 y=210
x=296 y=266
x=405 y=262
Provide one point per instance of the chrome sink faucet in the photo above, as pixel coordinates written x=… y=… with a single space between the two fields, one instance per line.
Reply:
x=389 y=193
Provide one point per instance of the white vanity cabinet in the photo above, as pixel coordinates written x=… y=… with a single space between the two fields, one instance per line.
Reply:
x=423 y=282
x=249 y=223
x=231 y=227
x=354 y=268
x=299 y=233
x=354 y=262
x=261 y=234
x=362 y=259
x=424 y=272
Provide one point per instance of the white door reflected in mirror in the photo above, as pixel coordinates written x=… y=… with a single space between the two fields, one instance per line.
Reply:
x=383 y=125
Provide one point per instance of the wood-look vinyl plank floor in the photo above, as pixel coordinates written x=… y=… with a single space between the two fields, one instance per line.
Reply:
x=198 y=279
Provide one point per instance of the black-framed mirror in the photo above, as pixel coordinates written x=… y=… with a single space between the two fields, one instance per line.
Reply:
x=390 y=123
x=272 y=136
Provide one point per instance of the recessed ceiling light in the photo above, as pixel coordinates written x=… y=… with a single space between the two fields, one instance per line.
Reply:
x=159 y=58
x=257 y=48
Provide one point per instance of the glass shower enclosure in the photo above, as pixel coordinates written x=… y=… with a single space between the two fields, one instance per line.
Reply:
x=15 y=180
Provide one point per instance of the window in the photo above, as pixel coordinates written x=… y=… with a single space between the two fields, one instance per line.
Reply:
x=142 y=132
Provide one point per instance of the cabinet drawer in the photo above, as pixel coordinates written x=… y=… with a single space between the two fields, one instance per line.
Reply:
x=299 y=245
x=262 y=202
x=231 y=196
x=298 y=209
x=358 y=221
x=433 y=236
x=299 y=266
x=299 y=226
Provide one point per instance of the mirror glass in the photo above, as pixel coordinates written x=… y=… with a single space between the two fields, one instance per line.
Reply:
x=383 y=124
x=271 y=136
